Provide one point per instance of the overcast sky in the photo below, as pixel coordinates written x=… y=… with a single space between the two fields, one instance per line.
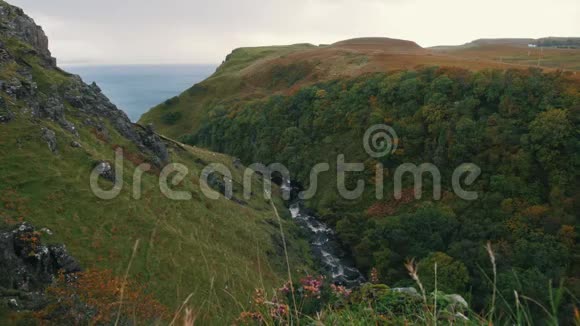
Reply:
x=193 y=31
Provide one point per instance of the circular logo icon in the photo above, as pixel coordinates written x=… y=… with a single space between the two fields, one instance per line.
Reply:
x=380 y=140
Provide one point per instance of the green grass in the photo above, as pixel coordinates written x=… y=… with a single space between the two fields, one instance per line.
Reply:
x=224 y=86
x=243 y=57
x=217 y=250
x=214 y=249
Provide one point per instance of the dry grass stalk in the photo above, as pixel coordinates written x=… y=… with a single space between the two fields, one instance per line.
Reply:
x=413 y=269
x=491 y=255
x=125 y=281
x=286 y=256
x=189 y=317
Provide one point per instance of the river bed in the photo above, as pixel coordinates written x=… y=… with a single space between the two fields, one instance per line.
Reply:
x=325 y=246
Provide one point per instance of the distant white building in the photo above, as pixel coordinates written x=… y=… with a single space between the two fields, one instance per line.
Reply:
x=532 y=45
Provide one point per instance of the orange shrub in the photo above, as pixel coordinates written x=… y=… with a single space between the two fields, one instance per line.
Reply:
x=94 y=297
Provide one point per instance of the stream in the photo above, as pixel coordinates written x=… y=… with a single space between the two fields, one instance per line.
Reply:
x=324 y=244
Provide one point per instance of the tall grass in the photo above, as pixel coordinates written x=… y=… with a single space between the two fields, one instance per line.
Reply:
x=122 y=292
x=519 y=313
x=517 y=310
x=287 y=259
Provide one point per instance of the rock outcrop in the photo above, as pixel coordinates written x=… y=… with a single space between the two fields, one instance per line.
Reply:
x=106 y=171
x=28 y=266
x=50 y=138
x=15 y=23
x=5 y=114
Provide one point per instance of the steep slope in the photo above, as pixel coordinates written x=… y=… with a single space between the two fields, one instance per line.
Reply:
x=55 y=129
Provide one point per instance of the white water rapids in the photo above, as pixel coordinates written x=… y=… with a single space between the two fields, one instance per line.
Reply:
x=325 y=245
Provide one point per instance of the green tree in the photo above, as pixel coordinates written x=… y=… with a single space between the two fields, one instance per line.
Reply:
x=452 y=276
x=549 y=134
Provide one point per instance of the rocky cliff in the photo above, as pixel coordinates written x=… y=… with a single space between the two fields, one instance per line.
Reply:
x=23 y=54
x=14 y=23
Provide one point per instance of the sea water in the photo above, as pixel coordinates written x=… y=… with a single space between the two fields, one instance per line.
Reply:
x=137 y=88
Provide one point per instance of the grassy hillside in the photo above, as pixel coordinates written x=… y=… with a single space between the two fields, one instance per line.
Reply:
x=54 y=130
x=200 y=246
x=248 y=74
x=178 y=115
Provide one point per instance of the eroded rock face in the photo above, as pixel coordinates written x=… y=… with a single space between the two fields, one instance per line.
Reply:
x=53 y=108
x=4 y=55
x=153 y=143
x=17 y=24
x=5 y=114
x=90 y=100
x=50 y=138
x=19 y=89
x=27 y=266
x=216 y=182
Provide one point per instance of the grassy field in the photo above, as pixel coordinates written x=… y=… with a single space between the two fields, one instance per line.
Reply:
x=551 y=58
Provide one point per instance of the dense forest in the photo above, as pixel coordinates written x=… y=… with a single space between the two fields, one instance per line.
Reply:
x=521 y=127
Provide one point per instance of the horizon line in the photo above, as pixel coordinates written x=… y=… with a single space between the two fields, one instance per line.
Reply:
x=70 y=64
